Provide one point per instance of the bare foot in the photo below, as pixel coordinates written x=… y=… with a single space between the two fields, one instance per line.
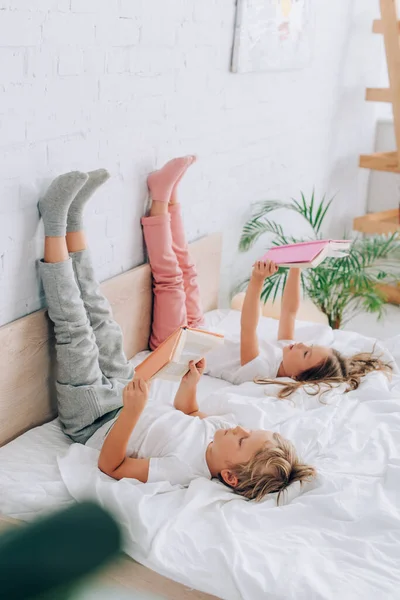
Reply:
x=162 y=182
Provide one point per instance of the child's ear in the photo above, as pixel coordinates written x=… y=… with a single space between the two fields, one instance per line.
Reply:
x=229 y=478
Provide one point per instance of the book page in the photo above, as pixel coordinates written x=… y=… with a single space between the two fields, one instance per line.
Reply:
x=193 y=352
x=321 y=257
x=337 y=254
x=195 y=346
x=340 y=246
x=172 y=372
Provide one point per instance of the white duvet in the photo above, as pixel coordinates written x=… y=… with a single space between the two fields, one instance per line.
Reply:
x=338 y=537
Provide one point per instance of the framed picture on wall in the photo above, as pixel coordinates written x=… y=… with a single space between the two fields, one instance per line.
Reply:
x=273 y=35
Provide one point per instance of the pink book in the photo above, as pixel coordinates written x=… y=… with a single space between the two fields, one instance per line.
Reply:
x=307 y=254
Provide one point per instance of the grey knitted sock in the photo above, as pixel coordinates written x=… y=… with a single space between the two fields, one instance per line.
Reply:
x=54 y=205
x=75 y=213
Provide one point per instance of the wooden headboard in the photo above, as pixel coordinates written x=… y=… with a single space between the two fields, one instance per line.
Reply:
x=27 y=394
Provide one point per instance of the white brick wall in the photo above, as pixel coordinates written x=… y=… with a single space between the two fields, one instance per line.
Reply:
x=127 y=84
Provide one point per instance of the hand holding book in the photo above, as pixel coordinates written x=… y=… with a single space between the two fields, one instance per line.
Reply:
x=196 y=370
x=263 y=269
x=170 y=361
x=135 y=395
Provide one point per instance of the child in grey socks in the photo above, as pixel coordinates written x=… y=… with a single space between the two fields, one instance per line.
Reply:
x=91 y=364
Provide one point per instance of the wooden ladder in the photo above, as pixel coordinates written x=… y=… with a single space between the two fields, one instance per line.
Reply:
x=389 y=27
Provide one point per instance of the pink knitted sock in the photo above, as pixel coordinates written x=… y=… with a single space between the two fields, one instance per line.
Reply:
x=161 y=182
x=174 y=194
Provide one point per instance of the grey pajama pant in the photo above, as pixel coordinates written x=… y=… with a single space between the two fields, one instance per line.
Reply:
x=92 y=369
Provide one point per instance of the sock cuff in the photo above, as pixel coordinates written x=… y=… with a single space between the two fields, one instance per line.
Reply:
x=156 y=220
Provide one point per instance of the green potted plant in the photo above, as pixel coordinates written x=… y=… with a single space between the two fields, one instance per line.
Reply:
x=340 y=288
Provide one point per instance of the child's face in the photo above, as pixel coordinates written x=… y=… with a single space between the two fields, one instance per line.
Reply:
x=238 y=445
x=300 y=357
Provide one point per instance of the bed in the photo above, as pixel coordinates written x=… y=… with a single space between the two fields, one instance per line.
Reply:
x=337 y=536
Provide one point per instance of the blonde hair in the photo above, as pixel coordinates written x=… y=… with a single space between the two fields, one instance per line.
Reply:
x=270 y=470
x=334 y=370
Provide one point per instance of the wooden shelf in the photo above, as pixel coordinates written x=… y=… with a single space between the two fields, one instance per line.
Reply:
x=381 y=161
x=378 y=95
x=391 y=292
x=379 y=28
x=389 y=27
x=385 y=222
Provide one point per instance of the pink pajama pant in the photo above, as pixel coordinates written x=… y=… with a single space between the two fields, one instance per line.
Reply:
x=175 y=287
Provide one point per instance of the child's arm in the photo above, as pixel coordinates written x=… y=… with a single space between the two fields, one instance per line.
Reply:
x=186 y=396
x=113 y=460
x=290 y=305
x=249 y=349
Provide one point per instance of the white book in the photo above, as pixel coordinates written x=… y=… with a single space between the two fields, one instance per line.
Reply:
x=170 y=361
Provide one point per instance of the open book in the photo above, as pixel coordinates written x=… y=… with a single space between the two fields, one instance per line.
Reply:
x=307 y=254
x=171 y=359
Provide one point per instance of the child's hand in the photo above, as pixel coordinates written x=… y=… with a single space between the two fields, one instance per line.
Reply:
x=262 y=270
x=135 y=395
x=196 y=370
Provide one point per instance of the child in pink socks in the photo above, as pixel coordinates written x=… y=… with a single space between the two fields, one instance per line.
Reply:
x=176 y=292
x=177 y=303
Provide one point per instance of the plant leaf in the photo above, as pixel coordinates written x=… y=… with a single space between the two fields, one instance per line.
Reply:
x=256 y=228
x=339 y=287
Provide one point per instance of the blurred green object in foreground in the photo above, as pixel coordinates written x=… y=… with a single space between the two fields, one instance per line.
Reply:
x=48 y=558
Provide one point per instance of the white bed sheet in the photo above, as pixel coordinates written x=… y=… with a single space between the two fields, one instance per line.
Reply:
x=338 y=537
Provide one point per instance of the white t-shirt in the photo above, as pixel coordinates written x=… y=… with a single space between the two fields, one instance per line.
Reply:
x=175 y=443
x=224 y=362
